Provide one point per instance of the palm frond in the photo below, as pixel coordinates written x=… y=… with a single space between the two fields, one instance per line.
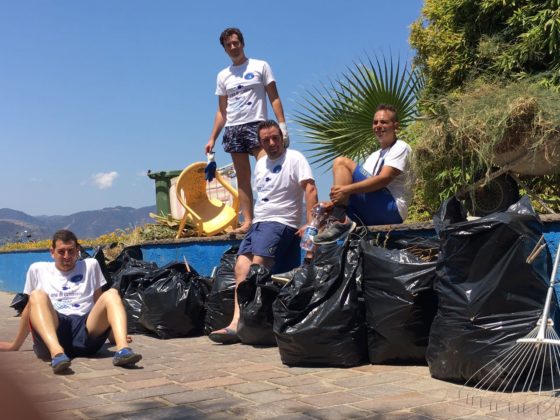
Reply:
x=336 y=119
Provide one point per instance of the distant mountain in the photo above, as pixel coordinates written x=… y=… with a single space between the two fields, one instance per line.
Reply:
x=16 y=225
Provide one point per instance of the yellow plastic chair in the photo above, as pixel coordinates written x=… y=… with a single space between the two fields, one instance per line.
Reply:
x=209 y=215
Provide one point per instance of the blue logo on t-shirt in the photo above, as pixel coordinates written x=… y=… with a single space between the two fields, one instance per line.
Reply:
x=65 y=288
x=76 y=305
x=276 y=169
x=249 y=76
x=77 y=278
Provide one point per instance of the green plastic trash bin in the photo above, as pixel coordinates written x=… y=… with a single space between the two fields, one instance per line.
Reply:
x=163 y=185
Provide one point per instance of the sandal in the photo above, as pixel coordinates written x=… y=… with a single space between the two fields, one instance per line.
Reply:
x=224 y=336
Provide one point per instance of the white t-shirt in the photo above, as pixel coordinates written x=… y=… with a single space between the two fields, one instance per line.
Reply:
x=396 y=157
x=279 y=191
x=244 y=86
x=71 y=292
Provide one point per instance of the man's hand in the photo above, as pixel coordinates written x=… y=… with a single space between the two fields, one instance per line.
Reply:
x=209 y=146
x=285 y=136
x=301 y=230
x=338 y=194
x=8 y=346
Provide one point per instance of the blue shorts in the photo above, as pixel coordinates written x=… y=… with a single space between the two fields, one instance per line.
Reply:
x=241 y=138
x=373 y=208
x=273 y=240
x=73 y=337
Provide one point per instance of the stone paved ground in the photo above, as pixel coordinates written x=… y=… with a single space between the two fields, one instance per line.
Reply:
x=194 y=378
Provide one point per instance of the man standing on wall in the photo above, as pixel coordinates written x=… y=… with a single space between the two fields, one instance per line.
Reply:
x=242 y=89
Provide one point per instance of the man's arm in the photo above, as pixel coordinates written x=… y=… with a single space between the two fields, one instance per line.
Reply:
x=275 y=101
x=219 y=122
x=340 y=193
x=21 y=335
x=310 y=191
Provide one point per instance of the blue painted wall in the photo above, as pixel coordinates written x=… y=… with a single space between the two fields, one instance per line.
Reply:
x=203 y=256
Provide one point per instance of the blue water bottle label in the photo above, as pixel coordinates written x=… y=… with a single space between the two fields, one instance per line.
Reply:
x=307 y=240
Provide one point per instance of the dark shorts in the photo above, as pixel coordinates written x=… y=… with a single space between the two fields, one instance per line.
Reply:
x=73 y=337
x=273 y=240
x=241 y=138
x=373 y=208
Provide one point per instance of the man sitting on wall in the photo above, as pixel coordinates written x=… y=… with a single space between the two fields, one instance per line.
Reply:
x=375 y=193
x=282 y=178
x=68 y=313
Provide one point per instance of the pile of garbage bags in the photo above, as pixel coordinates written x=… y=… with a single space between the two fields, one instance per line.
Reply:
x=167 y=302
x=454 y=300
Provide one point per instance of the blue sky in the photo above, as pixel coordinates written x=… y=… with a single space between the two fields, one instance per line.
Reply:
x=95 y=93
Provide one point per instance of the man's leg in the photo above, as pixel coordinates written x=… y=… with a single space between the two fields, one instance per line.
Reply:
x=108 y=312
x=44 y=320
x=343 y=169
x=242 y=167
x=343 y=174
x=228 y=334
x=242 y=266
x=340 y=225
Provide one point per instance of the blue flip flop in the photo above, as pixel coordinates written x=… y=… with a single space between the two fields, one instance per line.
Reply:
x=60 y=363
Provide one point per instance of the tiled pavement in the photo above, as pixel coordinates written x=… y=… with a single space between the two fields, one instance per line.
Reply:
x=194 y=378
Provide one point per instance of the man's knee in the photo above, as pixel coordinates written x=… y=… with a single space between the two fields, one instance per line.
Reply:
x=265 y=261
x=38 y=297
x=110 y=297
x=343 y=161
x=242 y=265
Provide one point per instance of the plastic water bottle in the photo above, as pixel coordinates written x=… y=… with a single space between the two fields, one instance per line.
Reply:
x=312 y=229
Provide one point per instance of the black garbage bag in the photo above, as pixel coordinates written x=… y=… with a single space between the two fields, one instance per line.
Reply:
x=400 y=303
x=99 y=255
x=132 y=277
x=450 y=212
x=318 y=318
x=488 y=295
x=127 y=258
x=255 y=296
x=19 y=302
x=173 y=305
x=220 y=306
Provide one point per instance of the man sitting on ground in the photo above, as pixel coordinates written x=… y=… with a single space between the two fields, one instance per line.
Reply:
x=282 y=178
x=375 y=193
x=68 y=313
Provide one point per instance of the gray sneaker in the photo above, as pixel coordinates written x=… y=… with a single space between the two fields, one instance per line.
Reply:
x=334 y=231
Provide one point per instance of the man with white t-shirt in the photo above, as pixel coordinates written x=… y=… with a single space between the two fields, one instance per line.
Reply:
x=283 y=179
x=68 y=313
x=242 y=90
x=375 y=193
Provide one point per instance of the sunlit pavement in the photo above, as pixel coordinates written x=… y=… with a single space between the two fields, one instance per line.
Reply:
x=194 y=378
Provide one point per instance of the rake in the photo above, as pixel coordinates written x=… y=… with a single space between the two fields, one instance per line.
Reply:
x=524 y=378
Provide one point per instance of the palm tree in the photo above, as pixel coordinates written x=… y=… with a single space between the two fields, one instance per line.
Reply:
x=337 y=119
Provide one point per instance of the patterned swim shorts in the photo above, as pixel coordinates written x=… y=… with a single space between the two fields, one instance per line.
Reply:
x=241 y=138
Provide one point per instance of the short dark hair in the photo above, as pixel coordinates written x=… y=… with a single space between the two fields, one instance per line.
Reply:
x=267 y=124
x=390 y=108
x=229 y=32
x=65 y=236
